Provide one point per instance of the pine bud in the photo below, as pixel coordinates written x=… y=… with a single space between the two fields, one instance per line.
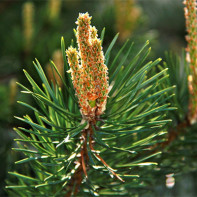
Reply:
x=58 y=61
x=130 y=13
x=54 y=9
x=28 y=29
x=13 y=91
x=88 y=71
x=191 y=56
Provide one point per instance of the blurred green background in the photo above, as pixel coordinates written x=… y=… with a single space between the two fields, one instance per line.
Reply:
x=33 y=29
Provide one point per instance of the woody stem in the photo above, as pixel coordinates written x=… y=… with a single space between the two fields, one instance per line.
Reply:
x=83 y=159
x=98 y=156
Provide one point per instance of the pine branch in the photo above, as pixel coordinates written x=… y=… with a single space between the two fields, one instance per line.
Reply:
x=77 y=137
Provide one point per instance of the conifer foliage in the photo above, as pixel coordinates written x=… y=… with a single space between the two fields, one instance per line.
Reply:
x=89 y=137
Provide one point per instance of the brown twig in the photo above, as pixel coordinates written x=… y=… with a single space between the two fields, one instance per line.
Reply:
x=99 y=157
x=83 y=159
x=173 y=134
x=84 y=154
x=75 y=181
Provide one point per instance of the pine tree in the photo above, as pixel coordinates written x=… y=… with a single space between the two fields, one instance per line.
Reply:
x=101 y=133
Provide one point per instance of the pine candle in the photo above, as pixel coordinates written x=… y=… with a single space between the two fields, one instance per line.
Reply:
x=88 y=70
x=191 y=56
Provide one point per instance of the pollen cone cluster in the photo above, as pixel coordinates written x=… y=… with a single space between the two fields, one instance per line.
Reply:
x=88 y=71
x=191 y=26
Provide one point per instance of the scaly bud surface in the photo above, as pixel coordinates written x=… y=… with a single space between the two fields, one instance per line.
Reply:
x=191 y=57
x=88 y=70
